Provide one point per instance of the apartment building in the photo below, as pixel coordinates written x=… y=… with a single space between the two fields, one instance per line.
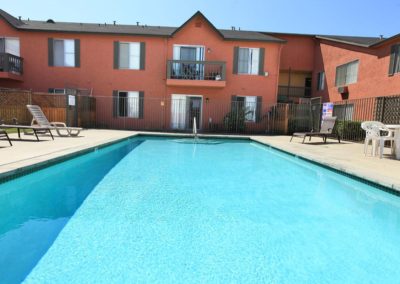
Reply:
x=140 y=72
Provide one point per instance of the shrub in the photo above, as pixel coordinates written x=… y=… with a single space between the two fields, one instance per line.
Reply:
x=235 y=120
x=349 y=130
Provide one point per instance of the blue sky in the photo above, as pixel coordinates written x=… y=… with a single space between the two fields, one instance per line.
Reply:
x=343 y=17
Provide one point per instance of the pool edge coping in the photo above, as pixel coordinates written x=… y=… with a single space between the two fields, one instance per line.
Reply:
x=24 y=170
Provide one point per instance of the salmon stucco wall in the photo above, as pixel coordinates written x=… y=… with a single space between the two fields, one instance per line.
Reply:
x=373 y=78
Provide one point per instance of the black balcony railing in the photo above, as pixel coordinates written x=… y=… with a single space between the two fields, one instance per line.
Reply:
x=196 y=70
x=297 y=92
x=11 y=63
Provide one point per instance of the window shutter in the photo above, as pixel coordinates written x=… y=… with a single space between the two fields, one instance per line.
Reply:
x=141 y=104
x=115 y=103
x=261 y=57
x=116 y=54
x=142 y=55
x=258 y=109
x=235 y=59
x=77 y=52
x=51 y=52
x=233 y=103
x=393 y=53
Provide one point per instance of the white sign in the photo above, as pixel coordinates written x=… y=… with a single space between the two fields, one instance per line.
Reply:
x=71 y=100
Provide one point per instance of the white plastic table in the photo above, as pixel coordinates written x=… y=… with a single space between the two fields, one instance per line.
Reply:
x=396 y=129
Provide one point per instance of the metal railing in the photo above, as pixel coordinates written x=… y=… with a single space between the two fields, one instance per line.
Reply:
x=151 y=113
x=11 y=63
x=196 y=70
x=287 y=93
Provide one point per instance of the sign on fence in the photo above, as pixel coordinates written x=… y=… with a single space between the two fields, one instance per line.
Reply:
x=327 y=110
x=71 y=100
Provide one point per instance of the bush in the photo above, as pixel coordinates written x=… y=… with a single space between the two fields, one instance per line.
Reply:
x=235 y=120
x=349 y=130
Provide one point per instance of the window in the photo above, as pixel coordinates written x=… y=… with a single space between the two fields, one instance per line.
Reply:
x=57 y=91
x=128 y=104
x=321 y=81
x=347 y=73
x=9 y=45
x=248 y=60
x=394 y=65
x=343 y=112
x=64 y=52
x=249 y=104
x=129 y=55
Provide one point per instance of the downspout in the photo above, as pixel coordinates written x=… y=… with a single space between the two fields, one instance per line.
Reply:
x=277 y=72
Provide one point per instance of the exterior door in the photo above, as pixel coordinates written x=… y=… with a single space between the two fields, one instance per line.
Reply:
x=194 y=111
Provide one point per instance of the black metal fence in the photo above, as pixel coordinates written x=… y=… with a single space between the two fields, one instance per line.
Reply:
x=246 y=115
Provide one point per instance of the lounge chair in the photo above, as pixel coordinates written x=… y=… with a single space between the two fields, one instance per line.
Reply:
x=326 y=130
x=41 y=120
x=35 y=128
x=3 y=133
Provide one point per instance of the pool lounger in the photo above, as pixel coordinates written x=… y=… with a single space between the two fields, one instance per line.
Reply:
x=326 y=130
x=3 y=133
x=36 y=129
x=40 y=119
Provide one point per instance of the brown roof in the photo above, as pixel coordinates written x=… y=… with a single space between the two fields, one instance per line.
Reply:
x=144 y=30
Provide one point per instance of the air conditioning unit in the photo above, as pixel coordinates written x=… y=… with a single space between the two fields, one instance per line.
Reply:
x=343 y=90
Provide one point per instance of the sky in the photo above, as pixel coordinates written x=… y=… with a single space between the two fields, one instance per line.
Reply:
x=334 y=17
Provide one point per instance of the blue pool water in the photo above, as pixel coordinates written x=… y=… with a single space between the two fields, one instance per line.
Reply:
x=179 y=213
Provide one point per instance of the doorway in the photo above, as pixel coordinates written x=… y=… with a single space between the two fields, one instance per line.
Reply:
x=184 y=108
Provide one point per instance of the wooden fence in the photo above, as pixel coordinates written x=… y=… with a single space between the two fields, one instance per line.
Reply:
x=13 y=107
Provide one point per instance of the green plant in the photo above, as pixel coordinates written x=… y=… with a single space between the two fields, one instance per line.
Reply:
x=349 y=130
x=235 y=120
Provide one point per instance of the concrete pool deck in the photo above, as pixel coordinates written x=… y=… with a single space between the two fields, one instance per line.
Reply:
x=346 y=156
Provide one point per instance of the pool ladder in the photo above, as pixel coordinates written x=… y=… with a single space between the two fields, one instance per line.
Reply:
x=195 y=130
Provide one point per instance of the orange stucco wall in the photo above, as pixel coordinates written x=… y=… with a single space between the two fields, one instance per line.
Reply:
x=297 y=53
x=96 y=66
x=373 y=79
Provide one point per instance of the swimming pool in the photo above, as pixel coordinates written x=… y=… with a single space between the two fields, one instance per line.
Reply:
x=171 y=212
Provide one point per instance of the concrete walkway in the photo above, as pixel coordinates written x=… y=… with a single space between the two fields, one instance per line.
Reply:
x=347 y=157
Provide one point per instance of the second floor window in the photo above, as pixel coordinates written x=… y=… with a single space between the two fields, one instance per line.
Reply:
x=321 y=81
x=9 y=45
x=347 y=73
x=248 y=60
x=129 y=55
x=394 y=65
x=64 y=52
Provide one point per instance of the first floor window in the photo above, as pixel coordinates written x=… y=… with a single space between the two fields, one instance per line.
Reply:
x=321 y=81
x=248 y=60
x=128 y=104
x=347 y=73
x=129 y=55
x=57 y=91
x=64 y=52
x=343 y=112
x=249 y=106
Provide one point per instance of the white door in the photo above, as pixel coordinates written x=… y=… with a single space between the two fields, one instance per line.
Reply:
x=178 y=112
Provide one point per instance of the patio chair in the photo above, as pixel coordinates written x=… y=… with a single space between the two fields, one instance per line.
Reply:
x=40 y=119
x=3 y=133
x=326 y=130
x=373 y=134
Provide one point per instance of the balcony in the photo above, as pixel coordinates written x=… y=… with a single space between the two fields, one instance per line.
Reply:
x=185 y=73
x=292 y=94
x=11 y=67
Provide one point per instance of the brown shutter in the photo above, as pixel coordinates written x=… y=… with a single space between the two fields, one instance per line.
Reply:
x=235 y=59
x=142 y=55
x=141 y=104
x=393 y=53
x=77 y=53
x=115 y=103
x=51 y=51
x=116 y=54
x=258 y=109
x=261 y=61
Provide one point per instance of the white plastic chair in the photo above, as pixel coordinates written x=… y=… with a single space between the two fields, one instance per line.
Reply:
x=373 y=131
